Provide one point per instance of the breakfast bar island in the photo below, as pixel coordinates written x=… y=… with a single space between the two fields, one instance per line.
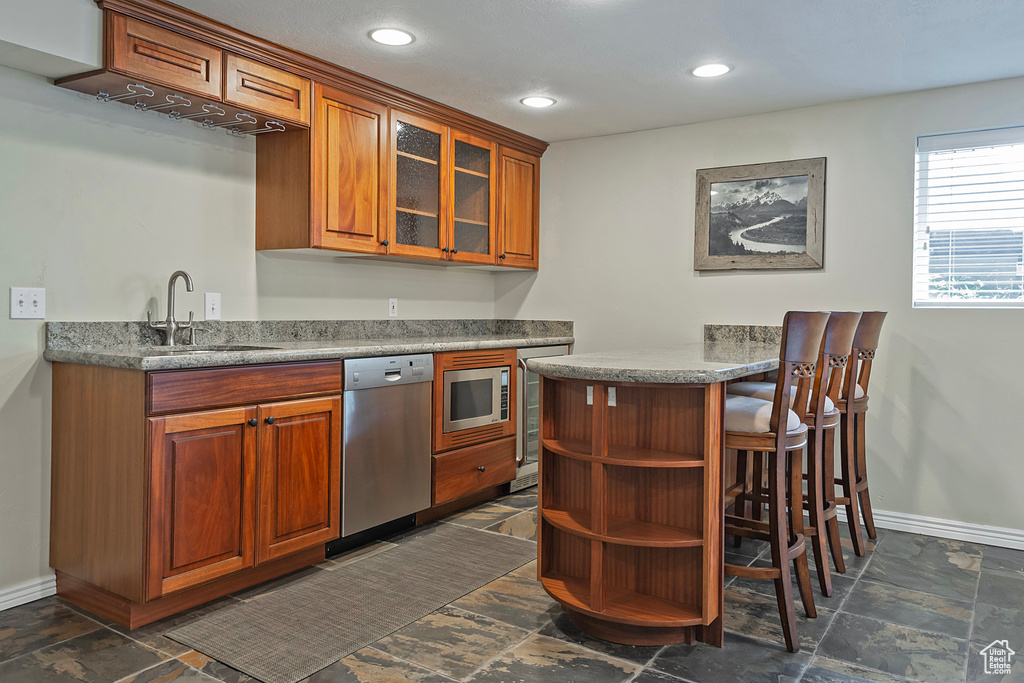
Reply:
x=630 y=493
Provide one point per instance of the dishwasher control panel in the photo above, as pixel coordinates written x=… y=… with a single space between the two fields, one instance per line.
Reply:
x=369 y=373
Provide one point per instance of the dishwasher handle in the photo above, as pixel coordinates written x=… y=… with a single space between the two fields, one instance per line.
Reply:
x=392 y=375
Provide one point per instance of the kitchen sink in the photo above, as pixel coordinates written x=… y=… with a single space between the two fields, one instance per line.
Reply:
x=210 y=348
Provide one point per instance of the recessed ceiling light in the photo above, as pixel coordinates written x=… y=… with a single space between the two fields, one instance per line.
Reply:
x=392 y=36
x=710 y=70
x=537 y=101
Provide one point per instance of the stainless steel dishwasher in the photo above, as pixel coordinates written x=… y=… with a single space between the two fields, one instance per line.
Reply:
x=386 y=440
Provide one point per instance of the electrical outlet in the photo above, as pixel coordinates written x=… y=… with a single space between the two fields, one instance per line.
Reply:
x=212 y=306
x=28 y=302
x=393 y=307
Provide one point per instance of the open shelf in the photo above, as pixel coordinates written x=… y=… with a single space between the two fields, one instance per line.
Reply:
x=569 y=482
x=648 y=610
x=568 y=590
x=639 y=532
x=570 y=448
x=571 y=520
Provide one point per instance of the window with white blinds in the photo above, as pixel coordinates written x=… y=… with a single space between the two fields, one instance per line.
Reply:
x=969 y=223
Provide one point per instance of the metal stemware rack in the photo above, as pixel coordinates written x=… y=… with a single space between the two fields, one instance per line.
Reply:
x=181 y=108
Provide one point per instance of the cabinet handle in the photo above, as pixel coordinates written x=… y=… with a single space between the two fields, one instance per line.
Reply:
x=482 y=468
x=270 y=420
x=444 y=250
x=384 y=243
x=253 y=422
x=502 y=257
x=454 y=250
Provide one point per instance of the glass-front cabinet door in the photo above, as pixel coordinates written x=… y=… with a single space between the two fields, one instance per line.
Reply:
x=419 y=181
x=473 y=174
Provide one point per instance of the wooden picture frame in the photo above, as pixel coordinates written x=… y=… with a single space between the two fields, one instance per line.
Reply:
x=753 y=217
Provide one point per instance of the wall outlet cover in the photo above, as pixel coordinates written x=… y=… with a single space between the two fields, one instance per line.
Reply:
x=212 y=306
x=28 y=302
x=393 y=307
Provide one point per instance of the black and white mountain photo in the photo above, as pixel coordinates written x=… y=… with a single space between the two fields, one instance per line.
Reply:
x=767 y=216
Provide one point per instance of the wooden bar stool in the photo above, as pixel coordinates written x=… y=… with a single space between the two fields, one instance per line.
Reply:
x=821 y=417
x=853 y=460
x=770 y=427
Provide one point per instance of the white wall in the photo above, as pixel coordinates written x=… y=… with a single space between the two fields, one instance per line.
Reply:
x=617 y=213
x=99 y=204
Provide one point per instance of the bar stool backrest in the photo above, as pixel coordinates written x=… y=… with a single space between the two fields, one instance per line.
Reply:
x=865 y=343
x=801 y=344
x=836 y=347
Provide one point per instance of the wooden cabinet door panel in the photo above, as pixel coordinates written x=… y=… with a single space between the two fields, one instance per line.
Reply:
x=473 y=177
x=350 y=168
x=202 y=498
x=519 y=215
x=300 y=476
x=473 y=468
x=419 y=188
x=265 y=89
x=163 y=57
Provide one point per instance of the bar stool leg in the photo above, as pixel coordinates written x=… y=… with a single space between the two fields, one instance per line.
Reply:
x=816 y=511
x=796 y=530
x=848 y=468
x=757 y=485
x=859 y=420
x=740 y=506
x=779 y=545
x=828 y=483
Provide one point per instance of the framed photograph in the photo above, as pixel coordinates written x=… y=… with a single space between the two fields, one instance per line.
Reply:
x=761 y=216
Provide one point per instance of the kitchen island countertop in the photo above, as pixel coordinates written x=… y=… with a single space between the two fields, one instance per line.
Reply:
x=696 y=363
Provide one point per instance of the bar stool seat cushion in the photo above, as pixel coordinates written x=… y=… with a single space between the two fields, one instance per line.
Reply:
x=766 y=392
x=753 y=416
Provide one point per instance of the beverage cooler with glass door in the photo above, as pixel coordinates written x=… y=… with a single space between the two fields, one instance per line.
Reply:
x=528 y=415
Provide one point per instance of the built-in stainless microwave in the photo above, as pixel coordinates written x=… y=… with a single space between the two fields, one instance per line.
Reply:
x=473 y=398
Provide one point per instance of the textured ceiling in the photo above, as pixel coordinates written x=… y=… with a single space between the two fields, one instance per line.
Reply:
x=623 y=65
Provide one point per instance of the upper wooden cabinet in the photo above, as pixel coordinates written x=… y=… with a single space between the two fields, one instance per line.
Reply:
x=519 y=217
x=349 y=173
x=265 y=89
x=163 y=57
x=343 y=162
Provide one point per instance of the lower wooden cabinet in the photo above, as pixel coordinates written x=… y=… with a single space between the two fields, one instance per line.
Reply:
x=202 y=500
x=467 y=470
x=230 y=496
x=299 y=471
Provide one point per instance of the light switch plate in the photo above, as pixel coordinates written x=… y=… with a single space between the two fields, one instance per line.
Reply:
x=212 y=306
x=28 y=302
x=611 y=397
x=393 y=307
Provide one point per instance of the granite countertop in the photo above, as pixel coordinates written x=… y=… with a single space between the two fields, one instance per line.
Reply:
x=698 y=363
x=132 y=345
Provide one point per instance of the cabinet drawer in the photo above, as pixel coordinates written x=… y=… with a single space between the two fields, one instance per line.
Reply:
x=159 y=56
x=265 y=89
x=474 y=468
x=177 y=390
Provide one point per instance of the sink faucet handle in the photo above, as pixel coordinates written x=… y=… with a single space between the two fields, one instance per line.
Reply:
x=162 y=325
x=191 y=318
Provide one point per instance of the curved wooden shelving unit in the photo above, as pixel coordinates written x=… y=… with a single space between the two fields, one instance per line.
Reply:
x=630 y=521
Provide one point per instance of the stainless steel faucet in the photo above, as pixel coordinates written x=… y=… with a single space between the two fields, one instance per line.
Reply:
x=170 y=325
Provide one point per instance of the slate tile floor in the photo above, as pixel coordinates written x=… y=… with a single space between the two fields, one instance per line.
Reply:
x=915 y=608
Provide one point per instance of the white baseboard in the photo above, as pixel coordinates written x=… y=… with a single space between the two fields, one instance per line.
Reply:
x=28 y=591
x=946 y=528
